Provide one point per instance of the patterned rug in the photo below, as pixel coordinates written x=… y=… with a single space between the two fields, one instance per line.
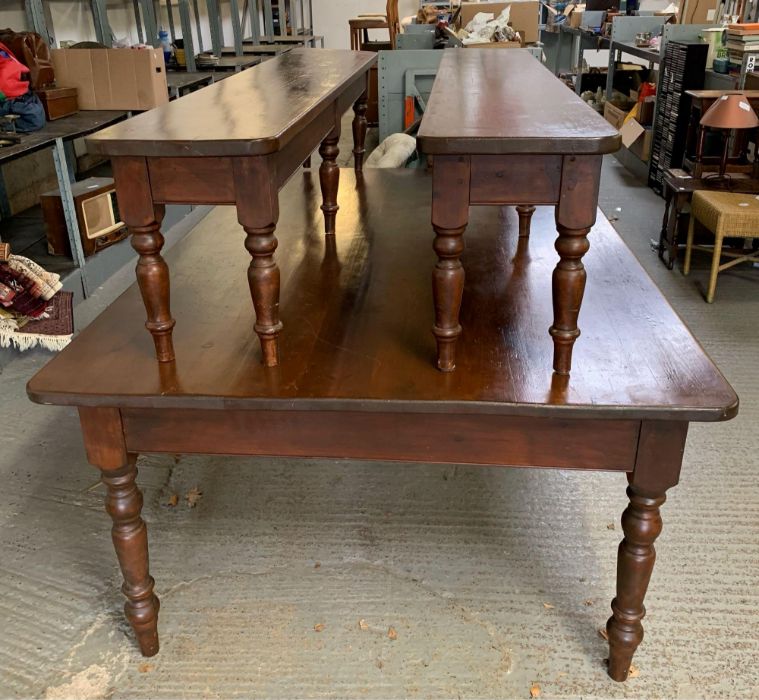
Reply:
x=52 y=331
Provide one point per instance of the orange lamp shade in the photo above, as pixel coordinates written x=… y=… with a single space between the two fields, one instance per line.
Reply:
x=731 y=111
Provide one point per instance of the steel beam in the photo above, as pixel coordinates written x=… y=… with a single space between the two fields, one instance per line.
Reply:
x=268 y=18
x=198 y=25
x=62 y=170
x=189 y=49
x=170 y=14
x=150 y=23
x=35 y=16
x=100 y=19
x=234 y=9
x=138 y=21
x=214 y=23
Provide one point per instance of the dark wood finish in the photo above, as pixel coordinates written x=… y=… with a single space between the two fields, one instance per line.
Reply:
x=329 y=177
x=356 y=381
x=518 y=442
x=536 y=114
x=262 y=110
x=658 y=462
x=679 y=187
x=143 y=218
x=545 y=148
x=525 y=212
x=104 y=440
x=58 y=102
x=359 y=131
x=274 y=118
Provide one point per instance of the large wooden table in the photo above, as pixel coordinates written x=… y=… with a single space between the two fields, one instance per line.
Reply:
x=357 y=381
x=235 y=142
x=503 y=130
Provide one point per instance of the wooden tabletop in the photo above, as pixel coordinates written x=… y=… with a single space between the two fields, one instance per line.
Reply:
x=257 y=49
x=489 y=101
x=357 y=322
x=252 y=113
x=233 y=62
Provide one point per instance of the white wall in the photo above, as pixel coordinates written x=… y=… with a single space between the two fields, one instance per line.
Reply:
x=72 y=20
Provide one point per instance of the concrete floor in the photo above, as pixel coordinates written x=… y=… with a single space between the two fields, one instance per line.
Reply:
x=493 y=579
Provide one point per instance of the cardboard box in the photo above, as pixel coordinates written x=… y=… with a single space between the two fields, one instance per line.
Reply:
x=637 y=139
x=132 y=79
x=523 y=17
x=614 y=115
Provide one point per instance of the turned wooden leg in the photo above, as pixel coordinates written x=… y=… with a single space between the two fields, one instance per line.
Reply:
x=575 y=215
x=641 y=523
x=359 y=132
x=143 y=219
x=130 y=539
x=450 y=214
x=258 y=212
x=525 y=212
x=661 y=445
x=153 y=280
x=568 y=289
x=329 y=177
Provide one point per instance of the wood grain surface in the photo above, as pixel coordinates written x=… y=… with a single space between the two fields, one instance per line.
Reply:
x=359 y=307
x=487 y=101
x=254 y=112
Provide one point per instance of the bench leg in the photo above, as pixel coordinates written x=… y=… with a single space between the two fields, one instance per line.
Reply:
x=143 y=219
x=329 y=177
x=575 y=215
x=525 y=212
x=359 y=132
x=258 y=213
x=450 y=215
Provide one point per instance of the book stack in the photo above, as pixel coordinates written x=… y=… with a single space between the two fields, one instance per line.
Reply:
x=742 y=39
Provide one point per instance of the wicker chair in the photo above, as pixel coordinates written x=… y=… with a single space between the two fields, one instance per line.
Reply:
x=726 y=215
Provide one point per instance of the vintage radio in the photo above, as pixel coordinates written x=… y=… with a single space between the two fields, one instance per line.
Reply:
x=96 y=211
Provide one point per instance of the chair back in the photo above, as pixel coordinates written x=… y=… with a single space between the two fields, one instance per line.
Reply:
x=393 y=20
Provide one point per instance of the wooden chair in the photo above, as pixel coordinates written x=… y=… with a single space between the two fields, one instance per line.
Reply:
x=725 y=214
x=359 y=29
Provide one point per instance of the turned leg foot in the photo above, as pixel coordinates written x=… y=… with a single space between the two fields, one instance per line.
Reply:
x=450 y=215
x=525 y=212
x=642 y=524
x=359 y=132
x=263 y=279
x=568 y=289
x=447 y=289
x=130 y=539
x=329 y=178
x=153 y=280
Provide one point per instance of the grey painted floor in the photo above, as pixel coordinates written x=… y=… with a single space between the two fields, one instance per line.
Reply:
x=493 y=579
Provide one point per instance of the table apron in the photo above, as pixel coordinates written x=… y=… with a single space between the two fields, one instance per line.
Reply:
x=210 y=179
x=410 y=437
x=515 y=179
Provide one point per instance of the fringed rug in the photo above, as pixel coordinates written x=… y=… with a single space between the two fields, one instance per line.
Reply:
x=53 y=331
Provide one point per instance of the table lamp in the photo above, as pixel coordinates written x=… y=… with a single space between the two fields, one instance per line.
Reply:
x=731 y=111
